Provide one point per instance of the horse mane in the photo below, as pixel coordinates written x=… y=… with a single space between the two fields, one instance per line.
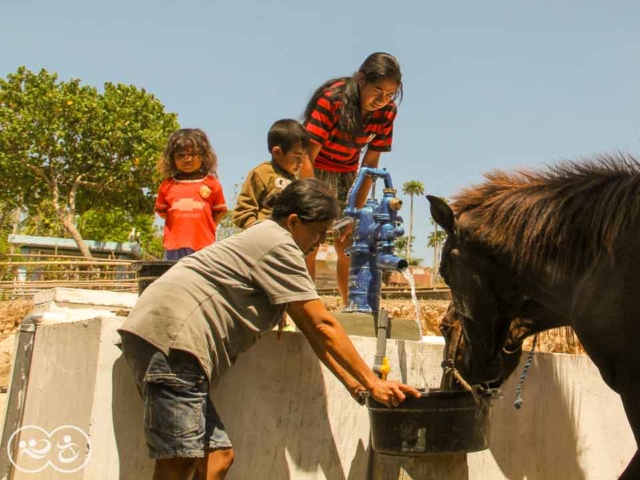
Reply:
x=559 y=218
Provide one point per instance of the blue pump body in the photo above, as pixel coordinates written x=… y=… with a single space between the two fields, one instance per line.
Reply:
x=376 y=227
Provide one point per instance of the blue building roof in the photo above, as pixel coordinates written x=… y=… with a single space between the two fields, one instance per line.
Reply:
x=70 y=244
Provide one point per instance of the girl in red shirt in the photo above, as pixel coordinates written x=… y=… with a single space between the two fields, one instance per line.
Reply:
x=190 y=199
x=344 y=117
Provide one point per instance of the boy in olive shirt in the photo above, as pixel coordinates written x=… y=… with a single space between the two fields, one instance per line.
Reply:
x=288 y=142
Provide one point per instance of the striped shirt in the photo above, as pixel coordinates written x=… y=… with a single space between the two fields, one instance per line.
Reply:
x=339 y=154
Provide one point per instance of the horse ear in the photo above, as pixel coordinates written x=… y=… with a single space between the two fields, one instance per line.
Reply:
x=442 y=214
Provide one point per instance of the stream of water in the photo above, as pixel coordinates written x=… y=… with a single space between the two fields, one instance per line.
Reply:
x=418 y=360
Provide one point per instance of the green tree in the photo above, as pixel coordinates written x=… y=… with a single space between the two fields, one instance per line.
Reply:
x=7 y=219
x=400 y=245
x=68 y=145
x=435 y=241
x=42 y=221
x=118 y=225
x=412 y=188
x=226 y=228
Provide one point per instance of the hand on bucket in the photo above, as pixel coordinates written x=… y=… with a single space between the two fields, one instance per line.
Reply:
x=392 y=393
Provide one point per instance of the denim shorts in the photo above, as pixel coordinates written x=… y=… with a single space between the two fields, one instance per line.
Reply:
x=178 y=253
x=180 y=420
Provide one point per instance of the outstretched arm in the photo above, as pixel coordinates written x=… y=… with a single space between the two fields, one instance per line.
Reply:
x=333 y=347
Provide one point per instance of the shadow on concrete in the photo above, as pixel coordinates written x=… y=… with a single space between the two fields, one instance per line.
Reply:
x=539 y=441
x=274 y=405
x=428 y=467
x=127 y=411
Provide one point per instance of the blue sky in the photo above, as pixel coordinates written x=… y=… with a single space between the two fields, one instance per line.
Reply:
x=487 y=84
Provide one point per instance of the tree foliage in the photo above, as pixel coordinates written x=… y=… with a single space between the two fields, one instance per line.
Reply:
x=437 y=237
x=7 y=218
x=118 y=225
x=400 y=246
x=435 y=240
x=67 y=145
x=412 y=188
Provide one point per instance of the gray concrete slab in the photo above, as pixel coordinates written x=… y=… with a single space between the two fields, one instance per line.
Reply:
x=363 y=325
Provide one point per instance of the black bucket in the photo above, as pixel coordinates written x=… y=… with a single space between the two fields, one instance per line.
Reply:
x=440 y=422
x=148 y=272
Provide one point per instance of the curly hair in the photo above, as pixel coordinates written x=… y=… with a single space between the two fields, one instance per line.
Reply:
x=187 y=139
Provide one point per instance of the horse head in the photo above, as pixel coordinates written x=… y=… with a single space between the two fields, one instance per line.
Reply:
x=483 y=297
x=458 y=353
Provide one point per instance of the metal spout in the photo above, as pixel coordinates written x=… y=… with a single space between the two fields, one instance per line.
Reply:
x=388 y=261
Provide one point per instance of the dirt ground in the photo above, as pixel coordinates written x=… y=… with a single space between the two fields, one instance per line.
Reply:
x=431 y=311
x=559 y=340
x=11 y=315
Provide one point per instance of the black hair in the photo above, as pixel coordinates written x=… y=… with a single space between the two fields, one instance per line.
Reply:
x=309 y=198
x=377 y=66
x=286 y=134
x=187 y=139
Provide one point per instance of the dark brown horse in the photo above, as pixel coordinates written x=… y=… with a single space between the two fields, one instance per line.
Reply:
x=532 y=250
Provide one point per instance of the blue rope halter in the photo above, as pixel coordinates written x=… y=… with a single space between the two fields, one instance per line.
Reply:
x=518 y=402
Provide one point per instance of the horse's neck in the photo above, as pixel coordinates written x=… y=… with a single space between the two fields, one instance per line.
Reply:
x=529 y=293
x=548 y=301
x=532 y=318
x=541 y=317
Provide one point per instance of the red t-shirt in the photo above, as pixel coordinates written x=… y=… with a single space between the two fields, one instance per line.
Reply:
x=337 y=153
x=188 y=206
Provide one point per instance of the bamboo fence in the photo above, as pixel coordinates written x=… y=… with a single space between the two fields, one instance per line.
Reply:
x=24 y=275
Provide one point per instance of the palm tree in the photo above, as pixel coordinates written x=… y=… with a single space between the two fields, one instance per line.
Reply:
x=400 y=245
x=412 y=188
x=435 y=240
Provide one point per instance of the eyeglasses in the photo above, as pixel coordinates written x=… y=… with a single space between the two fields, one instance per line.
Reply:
x=185 y=155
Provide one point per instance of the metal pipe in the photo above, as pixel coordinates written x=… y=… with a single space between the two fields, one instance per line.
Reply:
x=381 y=363
x=387 y=261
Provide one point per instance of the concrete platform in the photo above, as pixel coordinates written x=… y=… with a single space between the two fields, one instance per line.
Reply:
x=289 y=418
x=363 y=325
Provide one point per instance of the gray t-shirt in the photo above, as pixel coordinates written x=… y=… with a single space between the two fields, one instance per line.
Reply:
x=215 y=303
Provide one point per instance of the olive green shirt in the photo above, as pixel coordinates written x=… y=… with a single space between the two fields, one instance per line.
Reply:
x=262 y=182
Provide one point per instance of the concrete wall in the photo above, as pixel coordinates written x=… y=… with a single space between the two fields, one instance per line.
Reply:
x=70 y=304
x=570 y=427
x=290 y=419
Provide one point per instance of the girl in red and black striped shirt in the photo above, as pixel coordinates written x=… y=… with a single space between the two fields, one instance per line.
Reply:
x=343 y=117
